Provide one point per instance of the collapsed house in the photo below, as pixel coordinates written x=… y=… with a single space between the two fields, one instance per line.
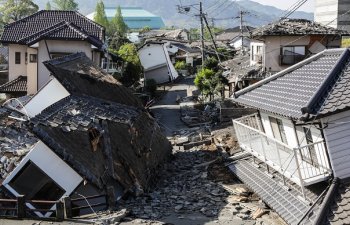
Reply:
x=94 y=138
x=156 y=62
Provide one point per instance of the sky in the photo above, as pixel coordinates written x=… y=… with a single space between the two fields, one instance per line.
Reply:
x=285 y=4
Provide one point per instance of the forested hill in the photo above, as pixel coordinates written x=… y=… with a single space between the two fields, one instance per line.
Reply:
x=222 y=11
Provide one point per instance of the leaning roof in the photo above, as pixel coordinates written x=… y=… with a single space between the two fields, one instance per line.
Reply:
x=294 y=27
x=53 y=24
x=80 y=76
x=316 y=86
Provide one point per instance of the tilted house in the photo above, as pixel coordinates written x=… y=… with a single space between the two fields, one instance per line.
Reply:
x=299 y=139
x=45 y=35
x=279 y=45
x=94 y=138
x=156 y=62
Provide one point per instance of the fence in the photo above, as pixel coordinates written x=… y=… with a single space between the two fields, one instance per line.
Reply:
x=66 y=208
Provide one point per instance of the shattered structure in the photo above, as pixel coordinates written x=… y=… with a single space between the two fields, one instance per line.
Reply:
x=97 y=140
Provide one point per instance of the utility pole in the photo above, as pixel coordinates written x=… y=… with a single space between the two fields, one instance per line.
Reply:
x=201 y=31
x=241 y=13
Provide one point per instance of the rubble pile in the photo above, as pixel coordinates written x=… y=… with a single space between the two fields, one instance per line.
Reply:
x=16 y=141
x=193 y=116
x=196 y=182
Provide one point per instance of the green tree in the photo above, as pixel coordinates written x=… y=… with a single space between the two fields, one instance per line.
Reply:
x=132 y=68
x=13 y=10
x=117 y=25
x=48 y=6
x=65 y=5
x=100 y=14
x=145 y=29
x=209 y=79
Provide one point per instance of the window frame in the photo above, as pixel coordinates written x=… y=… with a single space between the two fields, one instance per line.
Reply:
x=17 y=57
x=33 y=58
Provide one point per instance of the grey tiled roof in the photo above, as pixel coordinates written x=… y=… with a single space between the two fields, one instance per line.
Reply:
x=318 y=85
x=52 y=24
x=295 y=27
x=18 y=85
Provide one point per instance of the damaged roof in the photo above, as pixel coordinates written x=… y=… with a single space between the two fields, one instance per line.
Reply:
x=16 y=141
x=292 y=27
x=80 y=76
x=172 y=34
x=104 y=140
x=316 y=86
x=229 y=34
x=18 y=85
x=54 y=25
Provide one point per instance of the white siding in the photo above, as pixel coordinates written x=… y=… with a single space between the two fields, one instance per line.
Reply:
x=51 y=93
x=32 y=72
x=337 y=135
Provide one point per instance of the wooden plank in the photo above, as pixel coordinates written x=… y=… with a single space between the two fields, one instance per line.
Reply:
x=89 y=197
x=41 y=202
x=7 y=200
x=89 y=206
x=68 y=207
x=59 y=211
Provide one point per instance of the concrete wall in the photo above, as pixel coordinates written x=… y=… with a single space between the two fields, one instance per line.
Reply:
x=16 y=70
x=58 y=47
x=337 y=135
x=51 y=93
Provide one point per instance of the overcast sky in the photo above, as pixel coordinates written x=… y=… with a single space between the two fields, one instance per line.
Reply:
x=285 y=4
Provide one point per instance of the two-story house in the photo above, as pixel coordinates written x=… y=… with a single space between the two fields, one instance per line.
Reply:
x=281 y=44
x=46 y=35
x=298 y=142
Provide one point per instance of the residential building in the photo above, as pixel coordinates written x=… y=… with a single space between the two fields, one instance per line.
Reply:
x=156 y=62
x=333 y=13
x=231 y=33
x=89 y=141
x=299 y=139
x=45 y=35
x=175 y=35
x=279 y=45
x=134 y=17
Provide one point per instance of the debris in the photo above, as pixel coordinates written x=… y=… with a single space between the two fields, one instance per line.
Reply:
x=258 y=213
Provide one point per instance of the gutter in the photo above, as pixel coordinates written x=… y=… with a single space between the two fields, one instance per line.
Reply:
x=326 y=202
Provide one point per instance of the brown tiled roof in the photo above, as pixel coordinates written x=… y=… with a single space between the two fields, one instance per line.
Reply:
x=52 y=24
x=18 y=85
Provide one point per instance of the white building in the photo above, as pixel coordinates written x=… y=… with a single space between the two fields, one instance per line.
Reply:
x=333 y=13
x=156 y=62
x=300 y=135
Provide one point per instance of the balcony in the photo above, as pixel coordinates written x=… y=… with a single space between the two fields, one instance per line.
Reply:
x=304 y=166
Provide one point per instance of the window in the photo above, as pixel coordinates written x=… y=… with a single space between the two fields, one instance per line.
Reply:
x=292 y=54
x=17 y=58
x=308 y=154
x=33 y=58
x=278 y=129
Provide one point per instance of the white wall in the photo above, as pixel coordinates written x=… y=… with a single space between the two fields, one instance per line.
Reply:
x=288 y=128
x=16 y=70
x=152 y=55
x=337 y=135
x=50 y=164
x=58 y=47
x=51 y=93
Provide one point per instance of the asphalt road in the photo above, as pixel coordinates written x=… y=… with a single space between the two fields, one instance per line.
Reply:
x=167 y=111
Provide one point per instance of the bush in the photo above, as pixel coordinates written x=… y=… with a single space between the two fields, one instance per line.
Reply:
x=151 y=86
x=180 y=65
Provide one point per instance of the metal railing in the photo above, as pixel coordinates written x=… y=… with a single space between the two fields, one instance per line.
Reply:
x=304 y=165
